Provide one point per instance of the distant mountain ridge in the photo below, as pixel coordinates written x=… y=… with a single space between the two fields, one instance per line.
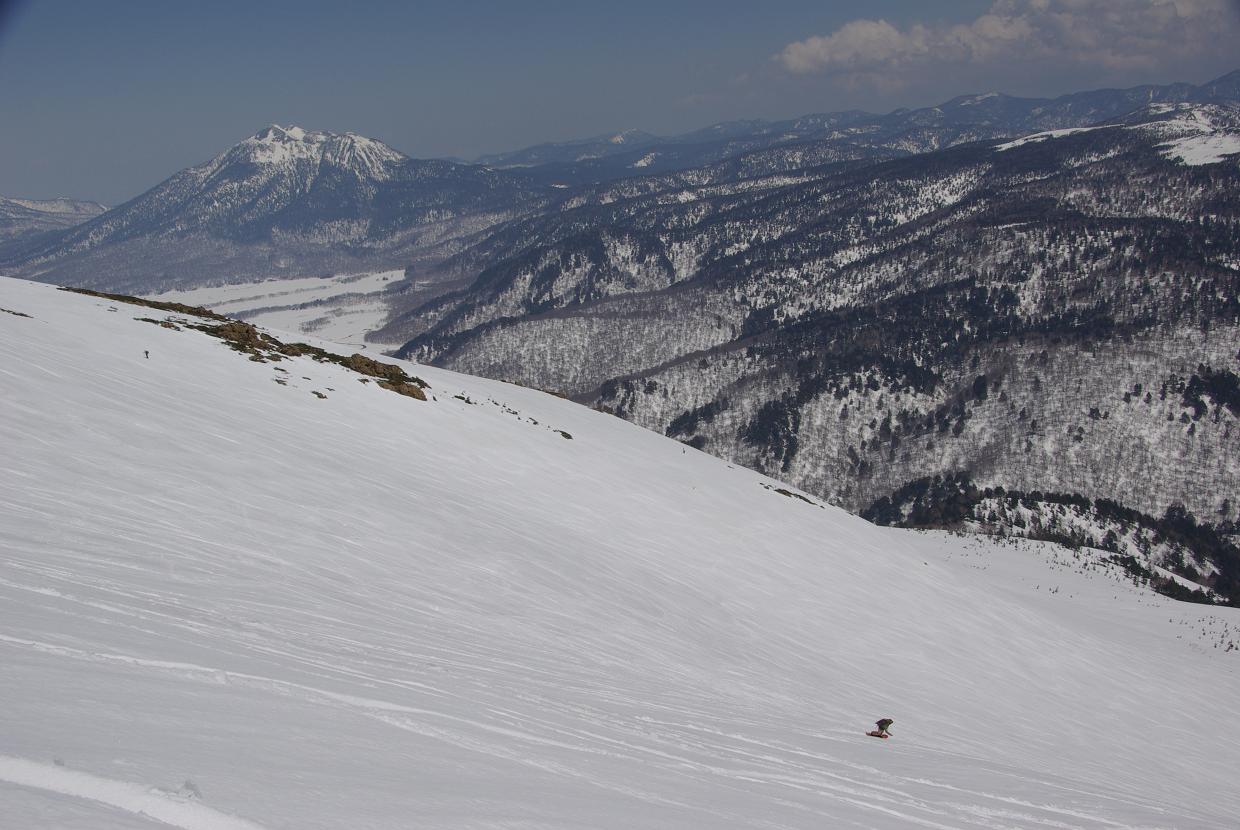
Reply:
x=578 y=150
x=293 y=202
x=62 y=206
x=285 y=200
x=903 y=131
x=21 y=218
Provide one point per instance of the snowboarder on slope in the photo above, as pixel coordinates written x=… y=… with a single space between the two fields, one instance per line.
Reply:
x=883 y=725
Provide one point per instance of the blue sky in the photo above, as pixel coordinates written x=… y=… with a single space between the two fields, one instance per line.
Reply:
x=105 y=99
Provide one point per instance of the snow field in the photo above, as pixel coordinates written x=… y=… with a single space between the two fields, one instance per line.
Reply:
x=369 y=611
x=1200 y=134
x=340 y=309
x=1042 y=136
x=1211 y=148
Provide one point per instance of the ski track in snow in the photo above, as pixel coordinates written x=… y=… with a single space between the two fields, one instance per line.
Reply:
x=161 y=806
x=687 y=750
x=764 y=764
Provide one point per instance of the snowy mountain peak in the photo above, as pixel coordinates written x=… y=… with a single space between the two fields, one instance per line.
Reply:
x=277 y=133
x=289 y=145
x=276 y=144
x=327 y=200
x=362 y=154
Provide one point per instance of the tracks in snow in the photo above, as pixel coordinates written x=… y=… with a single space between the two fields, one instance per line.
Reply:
x=812 y=782
x=167 y=808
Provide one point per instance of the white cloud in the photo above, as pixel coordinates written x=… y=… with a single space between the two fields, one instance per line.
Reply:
x=1112 y=34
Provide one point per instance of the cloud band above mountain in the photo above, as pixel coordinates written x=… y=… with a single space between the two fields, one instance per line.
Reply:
x=1110 y=34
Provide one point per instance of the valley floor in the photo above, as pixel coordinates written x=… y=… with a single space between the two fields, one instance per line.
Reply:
x=341 y=309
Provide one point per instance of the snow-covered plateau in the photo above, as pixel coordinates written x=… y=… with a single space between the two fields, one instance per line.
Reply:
x=239 y=592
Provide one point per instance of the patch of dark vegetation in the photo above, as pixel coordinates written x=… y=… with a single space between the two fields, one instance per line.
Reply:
x=15 y=313
x=407 y=389
x=508 y=410
x=245 y=338
x=776 y=427
x=785 y=492
x=389 y=372
x=930 y=502
x=165 y=324
x=1167 y=587
x=564 y=434
x=947 y=502
x=179 y=308
x=261 y=347
x=686 y=423
x=1222 y=387
x=318 y=394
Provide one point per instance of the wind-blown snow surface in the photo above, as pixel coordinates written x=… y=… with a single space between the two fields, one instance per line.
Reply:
x=228 y=603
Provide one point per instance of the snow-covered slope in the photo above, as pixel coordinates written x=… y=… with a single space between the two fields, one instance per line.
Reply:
x=229 y=602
